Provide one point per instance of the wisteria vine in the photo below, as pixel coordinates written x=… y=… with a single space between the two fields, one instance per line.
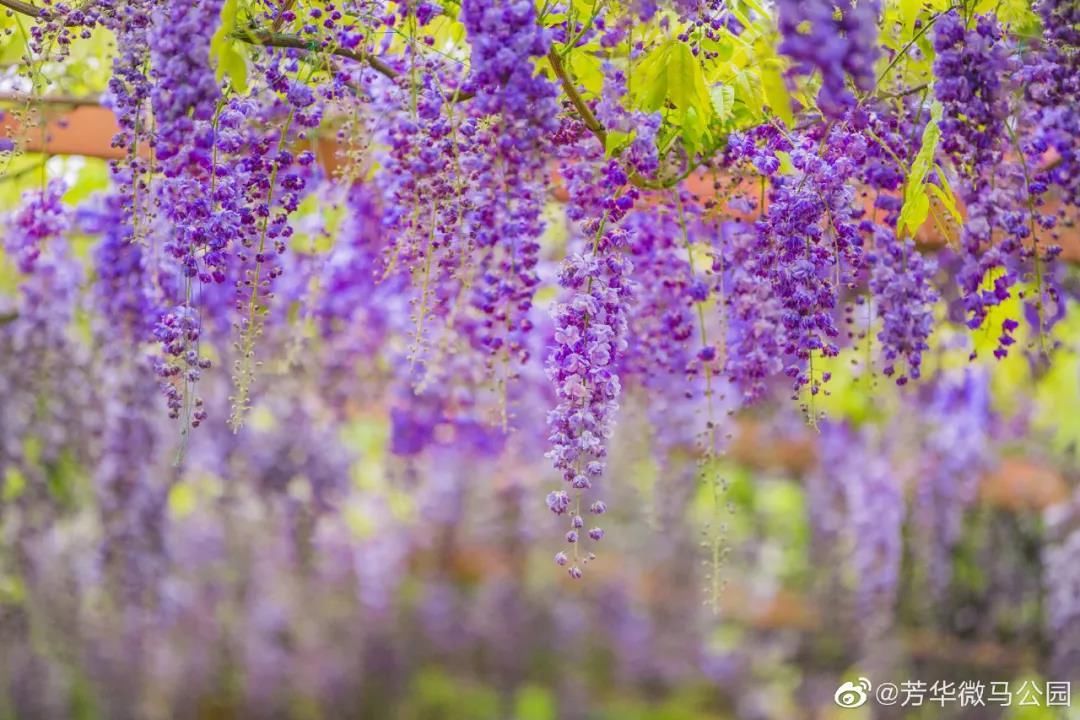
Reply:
x=722 y=199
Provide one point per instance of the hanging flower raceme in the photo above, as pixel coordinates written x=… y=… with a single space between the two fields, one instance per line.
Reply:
x=838 y=39
x=663 y=326
x=184 y=100
x=516 y=112
x=267 y=194
x=1061 y=577
x=43 y=421
x=971 y=65
x=429 y=181
x=958 y=449
x=807 y=247
x=903 y=297
x=130 y=487
x=41 y=218
x=784 y=287
x=860 y=501
x=128 y=92
x=590 y=339
x=757 y=335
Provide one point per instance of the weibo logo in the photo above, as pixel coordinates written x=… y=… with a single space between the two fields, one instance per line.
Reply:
x=852 y=695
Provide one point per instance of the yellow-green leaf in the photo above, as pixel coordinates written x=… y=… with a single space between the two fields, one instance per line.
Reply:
x=947 y=200
x=14 y=484
x=588 y=70
x=749 y=92
x=786 y=166
x=909 y=12
x=916 y=202
x=228 y=59
x=650 y=79
x=723 y=98
x=614 y=140
x=915 y=211
x=686 y=81
x=776 y=92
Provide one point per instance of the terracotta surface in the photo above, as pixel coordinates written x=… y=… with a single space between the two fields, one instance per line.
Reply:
x=1020 y=484
x=754 y=444
x=87 y=130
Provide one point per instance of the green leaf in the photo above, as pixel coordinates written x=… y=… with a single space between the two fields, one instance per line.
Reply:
x=786 y=166
x=14 y=484
x=749 y=92
x=650 y=79
x=758 y=8
x=721 y=48
x=695 y=130
x=671 y=77
x=776 y=92
x=615 y=140
x=947 y=200
x=588 y=70
x=686 y=80
x=909 y=12
x=228 y=59
x=920 y=167
x=723 y=98
x=13 y=44
x=915 y=211
x=916 y=202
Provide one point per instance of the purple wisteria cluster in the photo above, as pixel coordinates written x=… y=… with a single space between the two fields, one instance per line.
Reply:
x=590 y=337
x=41 y=218
x=128 y=94
x=129 y=486
x=756 y=336
x=971 y=66
x=807 y=249
x=1050 y=79
x=498 y=153
x=185 y=90
x=838 y=39
x=903 y=298
x=503 y=38
x=412 y=266
x=664 y=325
x=431 y=149
x=184 y=99
x=509 y=183
x=267 y=191
x=875 y=502
x=857 y=509
x=641 y=153
x=1062 y=582
x=958 y=449
x=49 y=401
